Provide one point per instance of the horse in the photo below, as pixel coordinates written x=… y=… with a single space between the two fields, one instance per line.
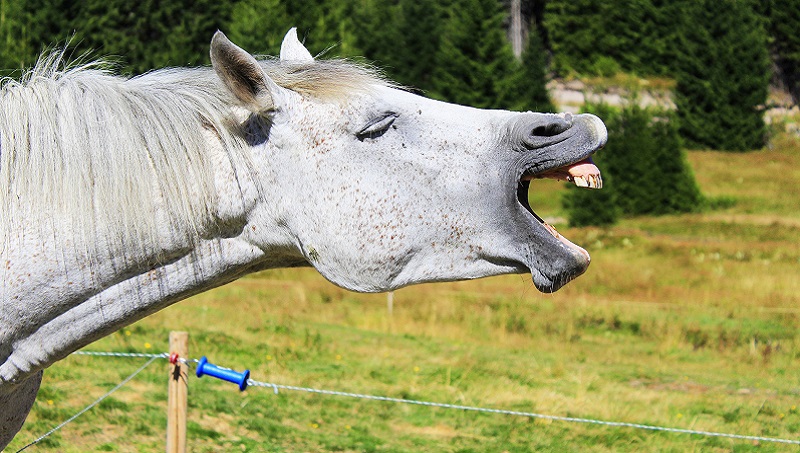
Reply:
x=122 y=195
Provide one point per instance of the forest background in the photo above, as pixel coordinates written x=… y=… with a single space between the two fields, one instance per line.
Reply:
x=715 y=59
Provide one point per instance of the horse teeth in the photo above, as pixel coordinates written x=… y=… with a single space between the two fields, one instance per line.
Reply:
x=588 y=181
x=599 y=180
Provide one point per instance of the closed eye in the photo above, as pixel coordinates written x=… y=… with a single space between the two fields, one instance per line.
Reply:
x=377 y=126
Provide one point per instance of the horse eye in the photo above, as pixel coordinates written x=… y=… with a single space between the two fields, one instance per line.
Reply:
x=377 y=127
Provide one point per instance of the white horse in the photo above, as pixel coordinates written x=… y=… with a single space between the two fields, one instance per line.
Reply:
x=119 y=197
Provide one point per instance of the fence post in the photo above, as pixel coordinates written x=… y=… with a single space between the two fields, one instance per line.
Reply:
x=177 y=394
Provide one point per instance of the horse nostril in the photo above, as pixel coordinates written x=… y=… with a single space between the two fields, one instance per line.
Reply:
x=539 y=130
x=553 y=128
x=547 y=131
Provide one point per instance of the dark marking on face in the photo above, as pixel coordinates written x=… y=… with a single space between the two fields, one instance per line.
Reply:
x=313 y=254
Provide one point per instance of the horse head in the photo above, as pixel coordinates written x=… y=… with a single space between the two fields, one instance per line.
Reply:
x=379 y=188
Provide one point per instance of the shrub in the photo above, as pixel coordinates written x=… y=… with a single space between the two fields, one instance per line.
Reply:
x=645 y=171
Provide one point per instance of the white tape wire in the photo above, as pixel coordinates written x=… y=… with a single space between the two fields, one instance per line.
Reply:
x=276 y=387
x=163 y=355
x=95 y=403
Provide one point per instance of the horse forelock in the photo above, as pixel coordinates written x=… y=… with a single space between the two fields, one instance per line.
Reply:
x=325 y=79
x=104 y=153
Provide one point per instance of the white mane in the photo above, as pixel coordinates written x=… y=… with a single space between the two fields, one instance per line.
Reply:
x=100 y=153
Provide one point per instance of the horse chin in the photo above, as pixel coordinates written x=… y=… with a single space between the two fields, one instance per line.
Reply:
x=573 y=264
x=553 y=260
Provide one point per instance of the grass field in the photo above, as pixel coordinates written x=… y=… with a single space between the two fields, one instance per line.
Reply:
x=688 y=321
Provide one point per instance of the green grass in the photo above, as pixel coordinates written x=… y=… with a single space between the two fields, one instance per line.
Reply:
x=688 y=321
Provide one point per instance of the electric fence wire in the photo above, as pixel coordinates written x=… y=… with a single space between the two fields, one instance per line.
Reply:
x=95 y=403
x=163 y=355
x=276 y=387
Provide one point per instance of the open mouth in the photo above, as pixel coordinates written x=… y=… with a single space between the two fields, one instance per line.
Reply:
x=584 y=174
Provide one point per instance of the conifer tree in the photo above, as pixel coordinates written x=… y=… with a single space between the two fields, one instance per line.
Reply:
x=650 y=172
x=475 y=57
x=15 y=50
x=141 y=35
x=402 y=37
x=150 y=33
x=529 y=81
x=573 y=28
x=600 y=38
x=377 y=33
x=722 y=75
x=259 y=25
x=31 y=27
x=418 y=30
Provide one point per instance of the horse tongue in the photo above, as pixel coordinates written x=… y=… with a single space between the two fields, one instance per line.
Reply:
x=585 y=174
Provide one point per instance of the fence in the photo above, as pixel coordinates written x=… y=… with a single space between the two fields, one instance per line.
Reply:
x=177 y=400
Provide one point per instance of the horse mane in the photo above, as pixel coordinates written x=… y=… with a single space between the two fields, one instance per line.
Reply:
x=99 y=154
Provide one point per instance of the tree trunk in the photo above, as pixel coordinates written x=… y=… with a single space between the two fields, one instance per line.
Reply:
x=516 y=31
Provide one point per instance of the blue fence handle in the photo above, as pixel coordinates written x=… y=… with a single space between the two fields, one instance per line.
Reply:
x=226 y=374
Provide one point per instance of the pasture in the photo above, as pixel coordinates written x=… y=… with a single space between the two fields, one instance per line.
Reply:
x=688 y=321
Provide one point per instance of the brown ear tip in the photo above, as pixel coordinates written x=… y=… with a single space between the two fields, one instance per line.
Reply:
x=219 y=39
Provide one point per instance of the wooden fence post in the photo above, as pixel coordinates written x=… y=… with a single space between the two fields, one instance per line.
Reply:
x=178 y=394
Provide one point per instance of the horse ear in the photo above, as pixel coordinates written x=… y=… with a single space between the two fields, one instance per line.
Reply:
x=243 y=75
x=293 y=50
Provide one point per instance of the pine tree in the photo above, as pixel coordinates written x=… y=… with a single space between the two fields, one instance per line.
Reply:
x=723 y=75
x=600 y=38
x=419 y=30
x=33 y=27
x=378 y=36
x=650 y=171
x=402 y=37
x=677 y=189
x=529 y=80
x=142 y=35
x=259 y=25
x=475 y=57
x=15 y=50
x=573 y=28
